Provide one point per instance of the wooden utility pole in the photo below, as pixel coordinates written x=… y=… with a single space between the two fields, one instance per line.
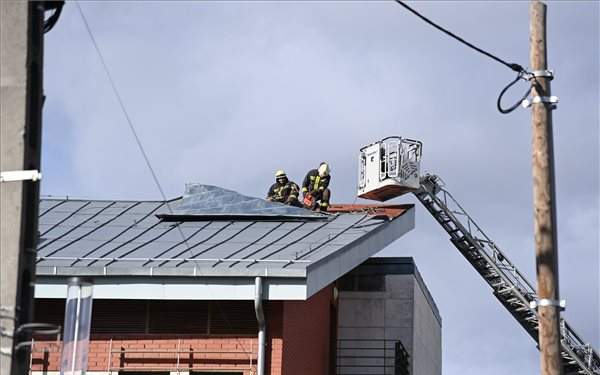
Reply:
x=544 y=199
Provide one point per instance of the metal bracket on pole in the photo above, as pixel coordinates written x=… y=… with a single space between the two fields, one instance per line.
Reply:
x=541 y=73
x=7 y=312
x=38 y=329
x=552 y=100
x=33 y=175
x=548 y=302
x=7 y=309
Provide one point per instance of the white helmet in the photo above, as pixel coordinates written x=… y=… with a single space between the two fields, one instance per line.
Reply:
x=280 y=174
x=324 y=169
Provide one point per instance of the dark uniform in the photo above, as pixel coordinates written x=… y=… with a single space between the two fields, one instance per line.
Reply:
x=286 y=192
x=317 y=186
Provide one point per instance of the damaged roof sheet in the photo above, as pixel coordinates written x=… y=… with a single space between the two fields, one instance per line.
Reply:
x=200 y=202
x=112 y=240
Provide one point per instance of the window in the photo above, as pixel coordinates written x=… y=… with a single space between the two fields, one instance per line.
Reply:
x=362 y=283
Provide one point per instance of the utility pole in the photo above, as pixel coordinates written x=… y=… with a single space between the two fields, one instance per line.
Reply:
x=22 y=36
x=544 y=198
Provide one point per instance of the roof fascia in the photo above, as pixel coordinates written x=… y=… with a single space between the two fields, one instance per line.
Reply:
x=169 y=288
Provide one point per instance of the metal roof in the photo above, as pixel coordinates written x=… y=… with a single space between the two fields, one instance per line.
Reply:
x=124 y=243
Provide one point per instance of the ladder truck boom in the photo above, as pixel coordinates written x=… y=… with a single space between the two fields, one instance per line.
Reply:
x=381 y=177
x=509 y=286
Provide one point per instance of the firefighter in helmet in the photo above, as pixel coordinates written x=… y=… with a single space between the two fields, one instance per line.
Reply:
x=315 y=185
x=284 y=190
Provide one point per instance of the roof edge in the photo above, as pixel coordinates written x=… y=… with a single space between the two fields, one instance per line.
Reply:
x=193 y=272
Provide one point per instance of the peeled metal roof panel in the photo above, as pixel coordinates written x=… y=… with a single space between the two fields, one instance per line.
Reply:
x=205 y=201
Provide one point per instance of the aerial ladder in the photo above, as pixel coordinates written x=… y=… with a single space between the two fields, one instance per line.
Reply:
x=391 y=167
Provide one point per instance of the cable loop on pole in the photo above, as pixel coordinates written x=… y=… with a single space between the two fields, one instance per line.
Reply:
x=520 y=75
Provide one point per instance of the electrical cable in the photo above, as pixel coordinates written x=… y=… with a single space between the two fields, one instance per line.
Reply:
x=509 y=110
x=147 y=160
x=114 y=87
x=513 y=66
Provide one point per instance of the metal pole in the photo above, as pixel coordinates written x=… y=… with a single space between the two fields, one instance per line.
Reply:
x=262 y=325
x=544 y=199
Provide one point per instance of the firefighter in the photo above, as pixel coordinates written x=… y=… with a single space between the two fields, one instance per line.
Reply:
x=284 y=190
x=315 y=185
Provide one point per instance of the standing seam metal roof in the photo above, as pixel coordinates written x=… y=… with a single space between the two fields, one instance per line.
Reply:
x=126 y=236
x=211 y=243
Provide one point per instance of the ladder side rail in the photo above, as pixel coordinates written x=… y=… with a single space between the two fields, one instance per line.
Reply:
x=511 y=281
x=518 y=289
x=574 y=348
x=494 y=250
x=585 y=351
x=573 y=355
x=571 y=339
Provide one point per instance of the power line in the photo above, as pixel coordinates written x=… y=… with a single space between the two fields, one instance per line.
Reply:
x=513 y=66
x=114 y=87
x=148 y=164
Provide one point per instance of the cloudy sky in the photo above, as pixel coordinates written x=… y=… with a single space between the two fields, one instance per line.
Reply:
x=227 y=92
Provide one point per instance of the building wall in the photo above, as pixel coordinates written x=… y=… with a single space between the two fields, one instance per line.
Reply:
x=306 y=334
x=274 y=349
x=298 y=336
x=158 y=352
x=427 y=335
x=397 y=309
x=194 y=335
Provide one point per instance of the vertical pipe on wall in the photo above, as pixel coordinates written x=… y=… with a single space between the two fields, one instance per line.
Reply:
x=262 y=325
x=78 y=315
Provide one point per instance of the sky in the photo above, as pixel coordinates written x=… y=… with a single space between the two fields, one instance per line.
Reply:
x=227 y=92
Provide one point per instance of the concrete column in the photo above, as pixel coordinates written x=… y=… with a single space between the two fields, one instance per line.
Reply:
x=21 y=36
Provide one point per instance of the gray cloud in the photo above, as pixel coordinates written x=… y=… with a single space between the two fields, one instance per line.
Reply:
x=225 y=93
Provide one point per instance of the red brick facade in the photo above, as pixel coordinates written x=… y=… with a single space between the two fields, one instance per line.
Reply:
x=160 y=353
x=298 y=342
x=306 y=335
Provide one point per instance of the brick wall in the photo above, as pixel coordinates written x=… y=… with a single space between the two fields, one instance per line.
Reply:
x=306 y=335
x=274 y=349
x=158 y=352
x=297 y=343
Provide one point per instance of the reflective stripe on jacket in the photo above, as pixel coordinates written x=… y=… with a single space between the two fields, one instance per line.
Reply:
x=281 y=192
x=313 y=181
